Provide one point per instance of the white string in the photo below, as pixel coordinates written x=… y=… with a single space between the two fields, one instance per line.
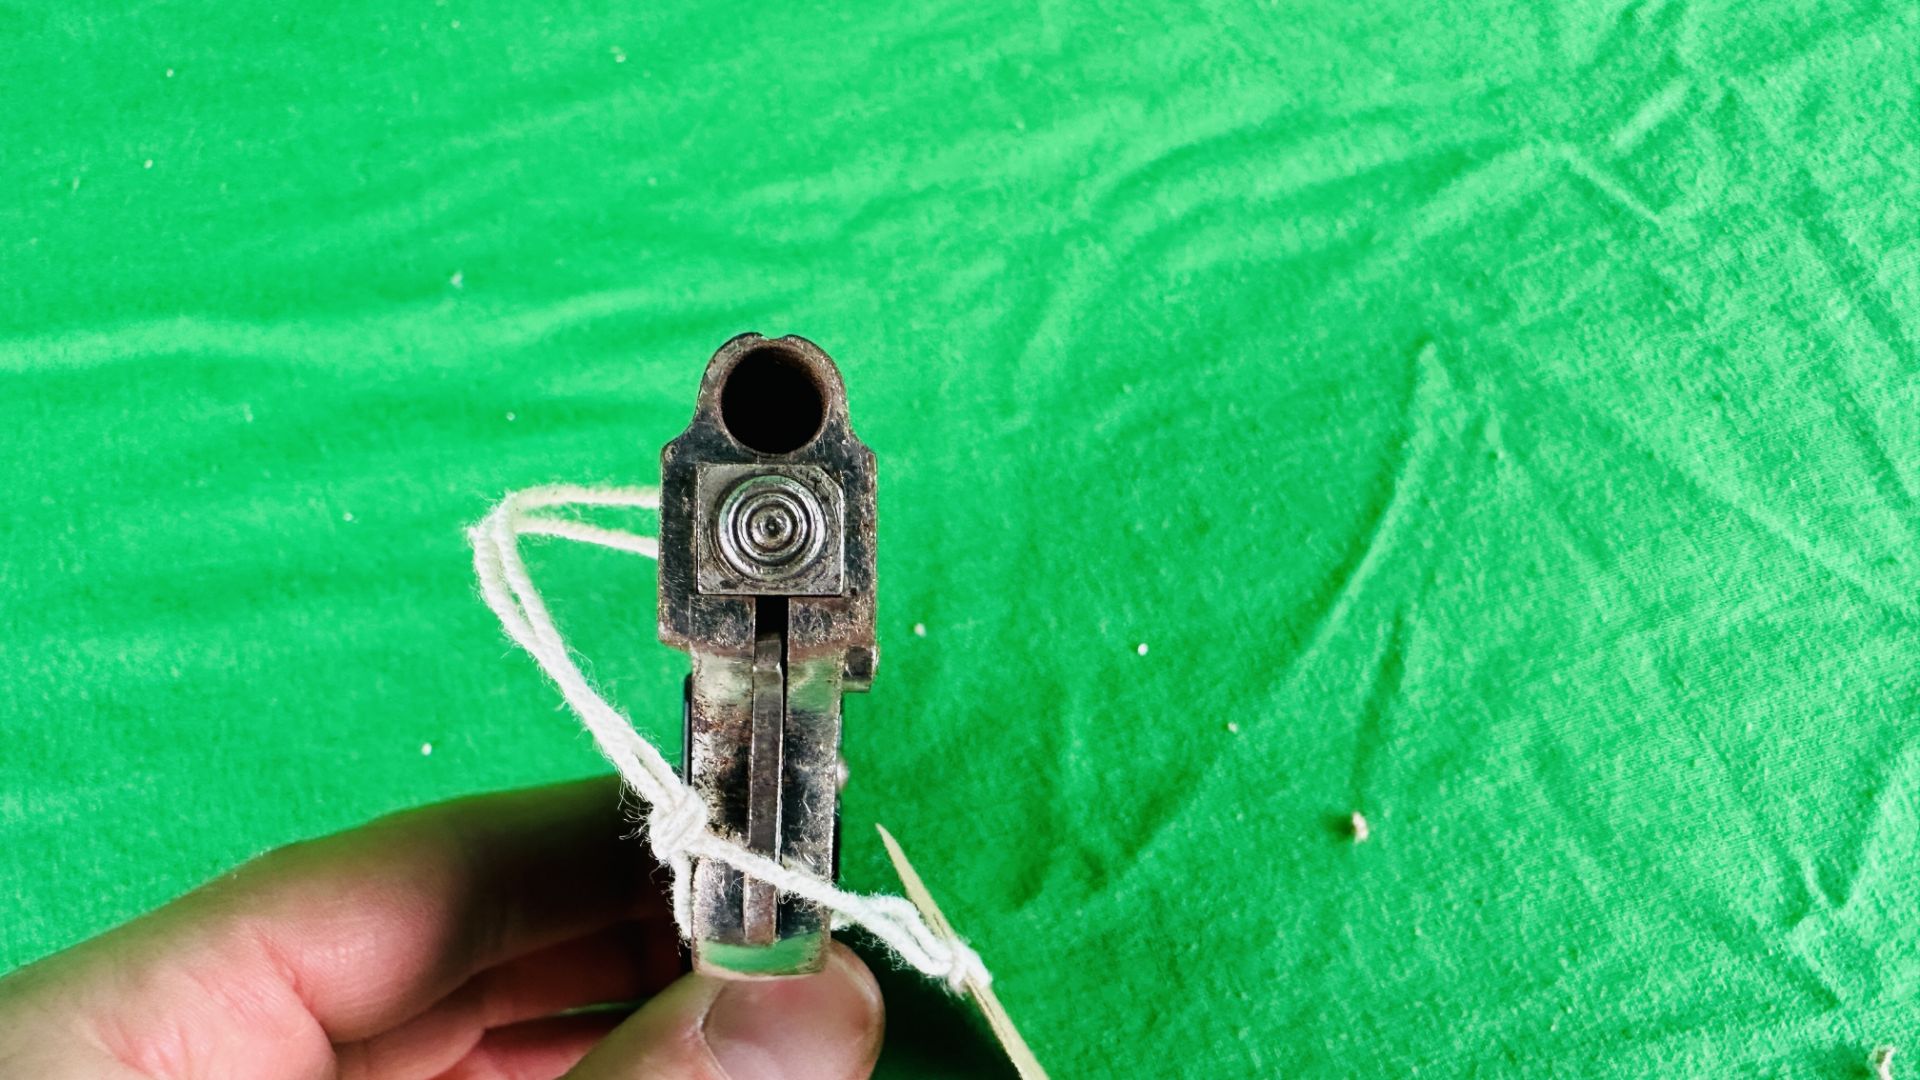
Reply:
x=677 y=818
x=591 y=534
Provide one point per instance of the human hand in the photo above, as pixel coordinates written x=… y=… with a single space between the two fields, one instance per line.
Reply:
x=437 y=944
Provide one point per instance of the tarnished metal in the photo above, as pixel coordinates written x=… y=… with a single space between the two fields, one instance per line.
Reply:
x=767 y=580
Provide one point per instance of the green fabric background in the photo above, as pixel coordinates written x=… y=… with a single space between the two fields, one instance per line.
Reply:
x=1504 y=414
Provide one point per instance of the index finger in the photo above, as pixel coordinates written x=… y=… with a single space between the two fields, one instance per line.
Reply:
x=336 y=939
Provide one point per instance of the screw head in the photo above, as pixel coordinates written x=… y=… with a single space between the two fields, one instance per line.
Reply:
x=770 y=527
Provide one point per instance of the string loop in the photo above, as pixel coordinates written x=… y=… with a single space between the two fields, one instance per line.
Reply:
x=673 y=827
x=677 y=818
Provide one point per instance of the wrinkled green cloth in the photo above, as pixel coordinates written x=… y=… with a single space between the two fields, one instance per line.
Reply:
x=1502 y=420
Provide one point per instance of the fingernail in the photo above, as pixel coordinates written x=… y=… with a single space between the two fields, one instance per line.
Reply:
x=821 y=1027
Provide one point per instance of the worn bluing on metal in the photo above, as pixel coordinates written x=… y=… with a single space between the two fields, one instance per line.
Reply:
x=767 y=580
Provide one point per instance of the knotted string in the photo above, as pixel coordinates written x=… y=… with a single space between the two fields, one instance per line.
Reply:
x=678 y=820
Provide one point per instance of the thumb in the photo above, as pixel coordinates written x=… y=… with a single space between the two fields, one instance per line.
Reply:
x=818 y=1027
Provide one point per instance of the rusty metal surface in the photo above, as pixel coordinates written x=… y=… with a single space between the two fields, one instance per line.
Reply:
x=767 y=580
